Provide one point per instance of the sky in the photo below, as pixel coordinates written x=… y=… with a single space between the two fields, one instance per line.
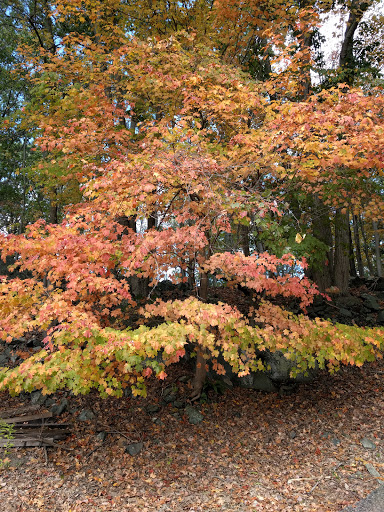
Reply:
x=333 y=28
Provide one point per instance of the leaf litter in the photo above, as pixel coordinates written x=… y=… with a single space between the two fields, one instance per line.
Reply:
x=252 y=451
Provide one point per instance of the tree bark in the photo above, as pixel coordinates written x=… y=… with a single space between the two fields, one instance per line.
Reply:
x=341 y=264
x=321 y=229
x=379 y=267
x=352 y=265
x=53 y=210
x=365 y=247
x=346 y=58
x=359 y=258
x=201 y=358
x=200 y=375
x=244 y=239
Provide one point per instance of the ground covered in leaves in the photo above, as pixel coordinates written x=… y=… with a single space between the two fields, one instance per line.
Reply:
x=317 y=449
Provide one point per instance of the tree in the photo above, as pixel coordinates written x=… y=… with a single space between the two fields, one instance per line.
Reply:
x=174 y=149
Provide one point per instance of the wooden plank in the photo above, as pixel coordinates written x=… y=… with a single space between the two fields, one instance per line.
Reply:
x=41 y=433
x=32 y=417
x=25 y=442
x=19 y=411
x=27 y=426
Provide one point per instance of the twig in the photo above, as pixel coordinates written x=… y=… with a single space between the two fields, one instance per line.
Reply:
x=323 y=477
x=317 y=483
x=52 y=443
x=46 y=455
x=86 y=457
x=116 y=432
x=302 y=479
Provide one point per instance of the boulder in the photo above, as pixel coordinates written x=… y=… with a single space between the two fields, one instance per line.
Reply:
x=194 y=416
x=257 y=380
x=370 y=302
x=134 y=448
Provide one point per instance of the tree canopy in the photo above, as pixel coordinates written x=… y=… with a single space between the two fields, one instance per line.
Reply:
x=185 y=141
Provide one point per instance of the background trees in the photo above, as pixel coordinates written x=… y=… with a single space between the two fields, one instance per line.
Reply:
x=185 y=139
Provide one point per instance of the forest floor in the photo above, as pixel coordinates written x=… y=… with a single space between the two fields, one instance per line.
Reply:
x=252 y=452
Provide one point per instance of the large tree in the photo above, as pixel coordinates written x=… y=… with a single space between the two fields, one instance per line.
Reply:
x=178 y=154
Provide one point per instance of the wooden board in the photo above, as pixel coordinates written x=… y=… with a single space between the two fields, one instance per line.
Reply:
x=30 y=429
x=32 y=417
x=16 y=443
x=19 y=411
x=38 y=433
x=26 y=426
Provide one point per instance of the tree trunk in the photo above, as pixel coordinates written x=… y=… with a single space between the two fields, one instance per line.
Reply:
x=244 y=239
x=346 y=58
x=341 y=264
x=201 y=359
x=321 y=229
x=200 y=371
x=203 y=288
x=200 y=375
x=365 y=247
x=359 y=258
x=352 y=265
x=377 y=250
x=24 y=185
x=191 y=275
x=53 y=212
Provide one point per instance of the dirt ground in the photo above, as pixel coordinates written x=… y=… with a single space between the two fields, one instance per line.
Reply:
x=252 y=452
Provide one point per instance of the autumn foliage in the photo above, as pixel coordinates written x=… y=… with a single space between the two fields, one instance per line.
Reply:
x=165 y=147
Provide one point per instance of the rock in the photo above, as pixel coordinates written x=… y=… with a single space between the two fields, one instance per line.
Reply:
x=346 y=313
x=152 y=408
x=13 y=356
x=58 y=409
x=194 y=416
x=380 y=317
x=280 y=368
x=370 y=302
x=169 y=398
x=170 y=394
x=259 y=381
x=101 y=436
x=336 y=441
x=4 y=359
x=20 y=341
x=184 y=378
x=372 y=470
x=37 y=398
x=134 y=448
x=179 y=404
x=367 y=443
x=292 y=434
x=349 y=302
x=86 y=415
x=374 y=502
